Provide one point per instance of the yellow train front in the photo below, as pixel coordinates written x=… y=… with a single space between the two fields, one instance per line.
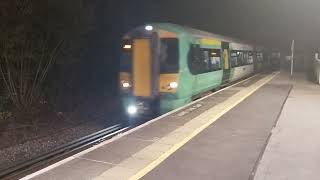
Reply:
x=149 y=70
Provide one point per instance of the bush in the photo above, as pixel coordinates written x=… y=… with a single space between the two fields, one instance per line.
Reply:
x=5 y=113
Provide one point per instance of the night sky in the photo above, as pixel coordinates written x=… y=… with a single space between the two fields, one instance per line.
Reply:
x=270 y=22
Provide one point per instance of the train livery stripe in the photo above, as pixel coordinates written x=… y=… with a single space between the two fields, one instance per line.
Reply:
x=210 y=42
x=142 y=68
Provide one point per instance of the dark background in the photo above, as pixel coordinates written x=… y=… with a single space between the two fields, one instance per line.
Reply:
x=87 y=66
x=273 y=23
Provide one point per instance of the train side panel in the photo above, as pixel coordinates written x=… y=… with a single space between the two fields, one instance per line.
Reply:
x=241 y=72
x=184 y=91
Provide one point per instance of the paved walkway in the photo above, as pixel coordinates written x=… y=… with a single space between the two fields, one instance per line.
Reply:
x=220 y=137
x=229 y=148
x=137 y=152
x=293 y=151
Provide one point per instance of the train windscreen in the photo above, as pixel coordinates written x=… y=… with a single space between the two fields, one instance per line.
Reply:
x=126 y=57
x=169 y=55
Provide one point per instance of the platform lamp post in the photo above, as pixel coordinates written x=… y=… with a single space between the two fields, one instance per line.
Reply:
x=292 y=54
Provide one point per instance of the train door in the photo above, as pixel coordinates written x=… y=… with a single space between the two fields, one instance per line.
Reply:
x=226 y=62
x=145 y=68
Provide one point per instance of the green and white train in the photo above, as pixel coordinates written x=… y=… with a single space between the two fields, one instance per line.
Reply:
x=165 y=66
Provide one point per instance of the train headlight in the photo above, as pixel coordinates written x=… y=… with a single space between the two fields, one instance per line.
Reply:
x=173 y=85
x=132 y=110
x=148 y=27
x=125 y=85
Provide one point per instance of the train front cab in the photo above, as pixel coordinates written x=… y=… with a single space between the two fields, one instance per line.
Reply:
x=149 y=71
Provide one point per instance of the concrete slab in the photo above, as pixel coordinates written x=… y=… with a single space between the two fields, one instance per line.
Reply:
x=117 y=151
x=187 y=132
x=80 y=169
x=113 y=174
x=153 y=132
x=293 y=150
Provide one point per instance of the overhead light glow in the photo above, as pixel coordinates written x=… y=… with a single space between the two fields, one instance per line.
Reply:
x=127 y=46
x=132 y=110
x=149 y=27
x=173 y=85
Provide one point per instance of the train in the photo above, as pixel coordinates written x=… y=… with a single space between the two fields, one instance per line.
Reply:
x=165 y=66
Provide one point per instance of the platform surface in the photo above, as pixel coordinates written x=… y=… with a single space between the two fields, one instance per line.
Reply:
x=293 y=151
x=230 y=148
x=220 y=137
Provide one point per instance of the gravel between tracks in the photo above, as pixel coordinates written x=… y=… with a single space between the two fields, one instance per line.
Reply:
x=28 y=150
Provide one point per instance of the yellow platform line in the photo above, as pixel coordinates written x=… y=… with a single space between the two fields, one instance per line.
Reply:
x=177 y=146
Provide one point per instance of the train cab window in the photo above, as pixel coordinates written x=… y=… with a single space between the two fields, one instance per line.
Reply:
x=169 y=55
x=126 y=57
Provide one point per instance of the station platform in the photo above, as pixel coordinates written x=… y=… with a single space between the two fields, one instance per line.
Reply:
x=250 y=130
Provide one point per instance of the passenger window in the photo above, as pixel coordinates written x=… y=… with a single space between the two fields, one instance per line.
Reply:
x=259 y=56
x=206 y=61
x=250 y=59
x=202 y=60
x=245 y=58
x=234 y=59
x=215 y=57
x=194 y=59
x=241 y=58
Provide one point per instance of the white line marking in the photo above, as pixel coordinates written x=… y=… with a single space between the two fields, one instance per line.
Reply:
x=95 y=160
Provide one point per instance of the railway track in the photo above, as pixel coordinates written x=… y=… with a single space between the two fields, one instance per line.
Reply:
x=61 y=152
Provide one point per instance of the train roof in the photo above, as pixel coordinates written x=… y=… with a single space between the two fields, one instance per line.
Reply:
x=199 y=33
x=235 y=43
